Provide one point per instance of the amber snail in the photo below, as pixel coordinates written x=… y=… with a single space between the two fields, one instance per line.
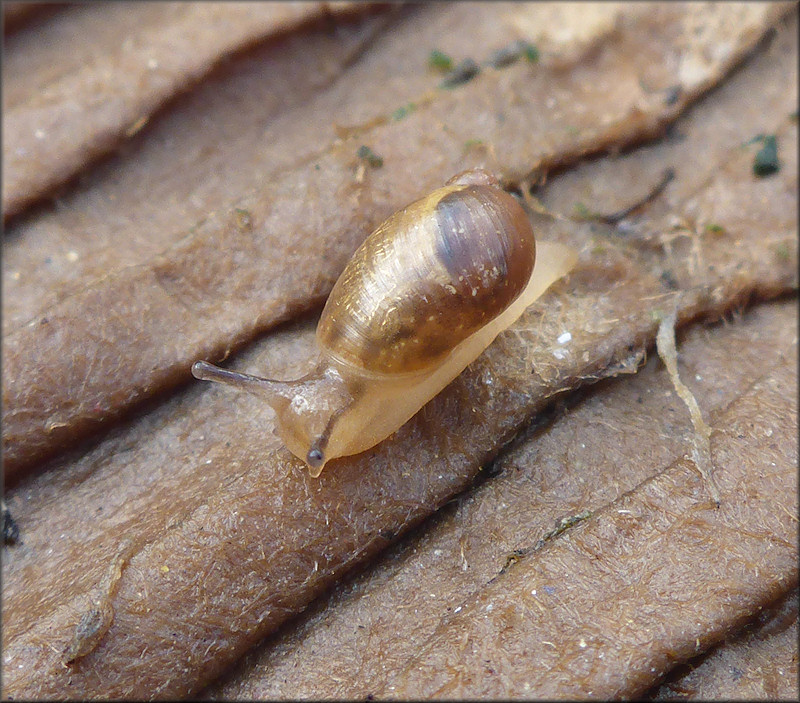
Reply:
x=421 y=298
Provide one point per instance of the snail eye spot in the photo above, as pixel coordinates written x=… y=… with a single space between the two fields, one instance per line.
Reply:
x=315 y=458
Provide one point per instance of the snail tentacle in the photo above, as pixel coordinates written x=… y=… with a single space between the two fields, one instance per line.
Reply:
x=204 y=371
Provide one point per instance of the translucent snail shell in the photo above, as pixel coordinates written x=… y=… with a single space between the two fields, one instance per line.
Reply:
x=421 y=298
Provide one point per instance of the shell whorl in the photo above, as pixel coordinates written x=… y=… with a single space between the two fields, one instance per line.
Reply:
x=426 y=279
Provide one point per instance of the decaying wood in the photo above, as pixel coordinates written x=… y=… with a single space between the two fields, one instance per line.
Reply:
x=230 y=537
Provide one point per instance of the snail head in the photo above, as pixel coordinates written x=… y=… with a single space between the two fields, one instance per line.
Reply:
x=307 y=409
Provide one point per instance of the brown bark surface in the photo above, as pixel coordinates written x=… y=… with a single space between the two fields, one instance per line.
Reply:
x=650 y=578
x=595 y=457
x=759 y=663
x=74 y=88
x=632 y=70
x=187 y=534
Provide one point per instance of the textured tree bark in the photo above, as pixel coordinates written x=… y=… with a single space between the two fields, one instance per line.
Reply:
x=204 y=310
x=595 y=452
x=186 y=533
x=69 y=101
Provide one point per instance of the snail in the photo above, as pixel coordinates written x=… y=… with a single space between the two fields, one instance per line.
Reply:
x=421 y=298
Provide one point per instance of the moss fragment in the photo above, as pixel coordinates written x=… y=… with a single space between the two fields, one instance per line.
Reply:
x=440 y=61
x=370 y=157
x=463 y=73
x=513 y=53
x=758 y=138
x=766 y=160
x=531 y=53
x=402 y=112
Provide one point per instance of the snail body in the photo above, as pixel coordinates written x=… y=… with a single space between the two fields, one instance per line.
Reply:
x=421 y=298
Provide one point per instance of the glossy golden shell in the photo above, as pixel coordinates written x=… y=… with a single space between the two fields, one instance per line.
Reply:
x=428 y=278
